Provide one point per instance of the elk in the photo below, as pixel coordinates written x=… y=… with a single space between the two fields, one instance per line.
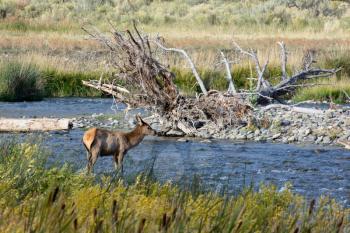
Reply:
x=102 y=142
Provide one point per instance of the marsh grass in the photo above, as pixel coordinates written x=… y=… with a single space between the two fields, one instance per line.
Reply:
x=29 y=82
x=68 y=83
x=20 y=82
x=39 y=198
x=337 y=91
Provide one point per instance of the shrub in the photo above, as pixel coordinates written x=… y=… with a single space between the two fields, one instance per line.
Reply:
x=19 y=82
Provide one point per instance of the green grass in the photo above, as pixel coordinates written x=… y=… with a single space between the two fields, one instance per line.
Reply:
x=244 y=16
x=337 y=91
x=23 y=26
x=68 y=83
x=20 y=82
x=38 y=198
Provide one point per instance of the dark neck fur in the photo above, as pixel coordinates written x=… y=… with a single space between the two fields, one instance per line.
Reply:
x=135 y=136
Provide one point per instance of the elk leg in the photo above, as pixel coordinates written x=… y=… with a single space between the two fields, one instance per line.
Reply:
x=94 y=153
x=115 y=156
x=120 y=160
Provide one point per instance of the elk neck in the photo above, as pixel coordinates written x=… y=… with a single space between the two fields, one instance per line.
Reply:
x=135 y=136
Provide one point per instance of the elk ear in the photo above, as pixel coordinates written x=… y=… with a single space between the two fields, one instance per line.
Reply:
x=139 y=120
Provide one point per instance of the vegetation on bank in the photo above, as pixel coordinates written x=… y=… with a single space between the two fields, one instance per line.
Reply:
x=35 y=197
x=50 y=32
x=253 y=15
x=26 y=81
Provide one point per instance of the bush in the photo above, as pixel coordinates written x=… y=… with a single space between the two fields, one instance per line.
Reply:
x=19 y=82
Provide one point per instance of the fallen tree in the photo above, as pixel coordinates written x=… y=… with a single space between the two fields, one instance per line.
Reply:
x=141 y=80
x=267 y=93
x=34 y=124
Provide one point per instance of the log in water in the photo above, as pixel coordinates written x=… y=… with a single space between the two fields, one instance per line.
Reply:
x=34 y=124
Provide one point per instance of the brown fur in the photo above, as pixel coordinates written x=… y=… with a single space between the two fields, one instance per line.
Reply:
x=102 y=142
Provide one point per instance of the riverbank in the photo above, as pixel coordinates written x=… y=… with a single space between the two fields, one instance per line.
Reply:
x=36 y=198
x=268 y=125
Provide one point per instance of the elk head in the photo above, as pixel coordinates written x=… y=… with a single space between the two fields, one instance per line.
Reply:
x=144 y=127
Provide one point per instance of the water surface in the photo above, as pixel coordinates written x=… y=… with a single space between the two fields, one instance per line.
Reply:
x=312 y=170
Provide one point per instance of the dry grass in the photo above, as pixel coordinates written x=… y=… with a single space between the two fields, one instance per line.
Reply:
x=204 y=50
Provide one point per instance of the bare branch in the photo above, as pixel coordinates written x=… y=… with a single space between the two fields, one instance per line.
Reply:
x=283 y=59
x=231 y=86
x=194 y=70
x=303 y=75
x=251 y=54
x=260 y=71
x=261 y=77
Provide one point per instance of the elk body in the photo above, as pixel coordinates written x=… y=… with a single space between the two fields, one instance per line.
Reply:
x=102 y=142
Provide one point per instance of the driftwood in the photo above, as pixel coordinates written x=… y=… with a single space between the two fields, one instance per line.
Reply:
x=267 y=92
x=310 y=111
x=144 y=82
x=140 y=80
x=346 y=144
x=35 y=124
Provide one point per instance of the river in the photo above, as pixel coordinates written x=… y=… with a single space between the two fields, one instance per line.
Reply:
x=312 y=170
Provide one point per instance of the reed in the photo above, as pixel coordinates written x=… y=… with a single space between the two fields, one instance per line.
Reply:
x=20 y=82
x=36 y=197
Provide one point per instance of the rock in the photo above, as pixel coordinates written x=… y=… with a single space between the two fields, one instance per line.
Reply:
x=241 y=137
x=205 y=141
x=256 y=132
x=285 y=123
x=250 y=136
x=203 y=134
x=307 y=131
x=175 y=133
x=347 y=122
x=329 y=114
x=319 y=139
x=276 y=136
x=198 y=124
x=326 y=140
x=310 y=139
x=291 y=139
x=285 y=140
x=182 y=140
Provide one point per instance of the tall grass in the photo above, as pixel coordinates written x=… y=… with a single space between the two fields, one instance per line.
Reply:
x=26 y=81
x=37 y=198
x=20 y=82
x=337 y=91
x=68 y=83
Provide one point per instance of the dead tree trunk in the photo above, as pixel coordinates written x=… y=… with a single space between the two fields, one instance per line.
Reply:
x=267 y=92
x=37 y=124
x=145 y=82
x=142 y=81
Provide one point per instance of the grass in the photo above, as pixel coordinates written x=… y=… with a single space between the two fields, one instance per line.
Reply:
x=20 y=82
x=26 y=81
x=337 y=91
x=48 y=35
x=247 y=16
x=40 y=198
x=63 y=84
